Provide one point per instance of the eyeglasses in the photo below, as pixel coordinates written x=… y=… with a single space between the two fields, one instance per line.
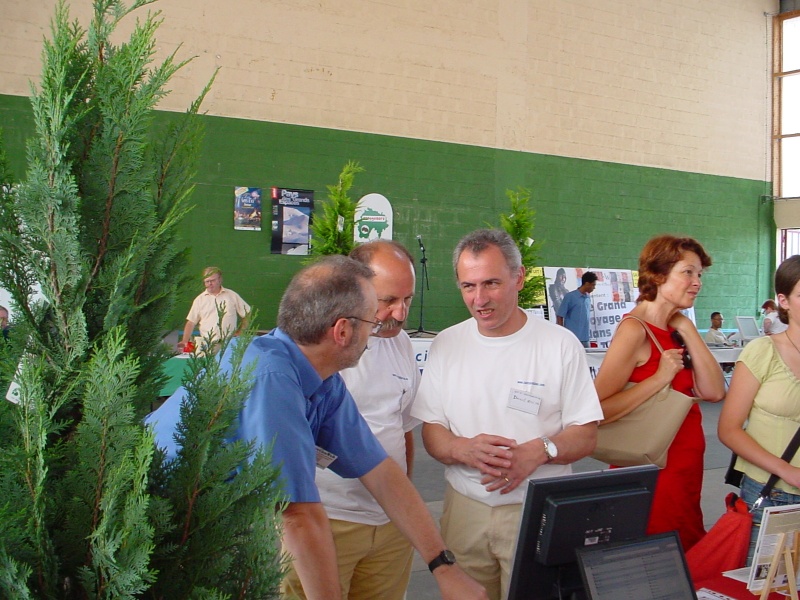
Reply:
x=678 y=339
x=376 y=325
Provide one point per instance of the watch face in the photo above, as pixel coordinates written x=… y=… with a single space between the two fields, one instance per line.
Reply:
x=448 y=557
x=550 y=449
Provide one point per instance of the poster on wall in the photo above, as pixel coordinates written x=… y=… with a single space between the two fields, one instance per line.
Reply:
x=373 y=219
x=291 y=217
x=247 y=208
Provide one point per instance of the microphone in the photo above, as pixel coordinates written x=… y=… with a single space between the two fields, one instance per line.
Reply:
x=419 y=239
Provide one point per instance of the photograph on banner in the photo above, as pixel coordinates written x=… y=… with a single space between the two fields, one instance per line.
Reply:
x=373 y=219
x=613 y=297
x=559 y=281
x=247 y=208
x=291 y=217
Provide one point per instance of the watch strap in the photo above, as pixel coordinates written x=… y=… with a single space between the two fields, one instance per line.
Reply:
x=445 y=557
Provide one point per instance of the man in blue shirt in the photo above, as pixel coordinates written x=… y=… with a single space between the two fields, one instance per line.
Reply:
x=574 y=310
x=299 y=400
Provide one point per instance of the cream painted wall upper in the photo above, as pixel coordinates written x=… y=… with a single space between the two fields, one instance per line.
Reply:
x=679 y=84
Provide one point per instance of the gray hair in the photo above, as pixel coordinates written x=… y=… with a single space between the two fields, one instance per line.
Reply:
x=480 y=239
x=320 y=294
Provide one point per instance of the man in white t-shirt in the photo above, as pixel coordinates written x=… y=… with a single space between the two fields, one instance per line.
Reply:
x=374 y=558
x=204 y=313
x=504 y=397
x=715 y=335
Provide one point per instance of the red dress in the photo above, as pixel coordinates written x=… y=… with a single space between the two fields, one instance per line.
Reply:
x=676 y=504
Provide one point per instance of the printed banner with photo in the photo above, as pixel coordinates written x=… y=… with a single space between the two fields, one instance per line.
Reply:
x=291 y=217
x=614 y=295
x=373 y=218
x=247 y=208
x=559 y=281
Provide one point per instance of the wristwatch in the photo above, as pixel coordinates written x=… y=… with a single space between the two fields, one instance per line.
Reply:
x=445 y=558
x=550 y=449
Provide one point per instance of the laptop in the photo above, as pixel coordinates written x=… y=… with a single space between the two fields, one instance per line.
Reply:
x=649 y=568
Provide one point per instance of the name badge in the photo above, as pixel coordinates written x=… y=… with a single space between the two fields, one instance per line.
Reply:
x=324 y=458
x=524 y=401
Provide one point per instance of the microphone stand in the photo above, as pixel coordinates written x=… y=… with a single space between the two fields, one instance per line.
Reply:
x=424 y=283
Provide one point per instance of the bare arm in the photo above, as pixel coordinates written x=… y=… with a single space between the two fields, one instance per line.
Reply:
x=487 y=453
x=243 y=322
x=308 y=539
x=767 y=326
x=409 y=436
x=187 y=332
x=739 y=401
x=560 y=321
x=573 y=443
x=709 y=383
x=404 y=506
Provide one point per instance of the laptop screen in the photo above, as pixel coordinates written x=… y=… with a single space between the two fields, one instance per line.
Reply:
x=651 y=568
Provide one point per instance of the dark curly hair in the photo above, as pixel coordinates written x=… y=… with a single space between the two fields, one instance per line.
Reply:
x=658 y=257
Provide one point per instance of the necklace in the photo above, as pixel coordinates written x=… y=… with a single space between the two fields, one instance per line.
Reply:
x=786 y=333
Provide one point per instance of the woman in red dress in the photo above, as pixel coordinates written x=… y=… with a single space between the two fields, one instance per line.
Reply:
x=670 y=269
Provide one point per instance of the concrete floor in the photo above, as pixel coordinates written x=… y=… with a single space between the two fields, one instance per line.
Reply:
x=429 y=480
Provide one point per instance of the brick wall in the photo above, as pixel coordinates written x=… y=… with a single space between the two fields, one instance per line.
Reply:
x=673 y=84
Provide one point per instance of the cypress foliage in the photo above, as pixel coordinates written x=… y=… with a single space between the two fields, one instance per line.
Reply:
x=222 y=533
x=89 y=508
x=332 y=231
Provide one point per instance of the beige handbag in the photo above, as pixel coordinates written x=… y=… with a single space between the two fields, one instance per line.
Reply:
x=643 y=436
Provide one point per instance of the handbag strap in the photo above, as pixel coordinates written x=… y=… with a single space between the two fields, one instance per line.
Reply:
x=788 y=455
x=647 y=329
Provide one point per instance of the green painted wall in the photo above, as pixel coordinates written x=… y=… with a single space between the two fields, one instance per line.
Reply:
x=589 y=213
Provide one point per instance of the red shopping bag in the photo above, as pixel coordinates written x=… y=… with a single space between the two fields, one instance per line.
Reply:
x=725 y=545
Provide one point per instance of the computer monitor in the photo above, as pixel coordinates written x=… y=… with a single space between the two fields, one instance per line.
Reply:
x=561 y=514
x=748 y=328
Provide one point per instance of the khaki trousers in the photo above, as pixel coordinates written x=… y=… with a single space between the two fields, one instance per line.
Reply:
x=374 y=563
x=483 y=538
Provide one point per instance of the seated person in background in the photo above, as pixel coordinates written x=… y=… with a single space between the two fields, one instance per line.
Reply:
x=204 y=315
x=771 y=324
x=715 y=334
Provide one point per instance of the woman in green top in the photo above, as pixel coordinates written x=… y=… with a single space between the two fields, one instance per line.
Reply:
x=765 y=394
